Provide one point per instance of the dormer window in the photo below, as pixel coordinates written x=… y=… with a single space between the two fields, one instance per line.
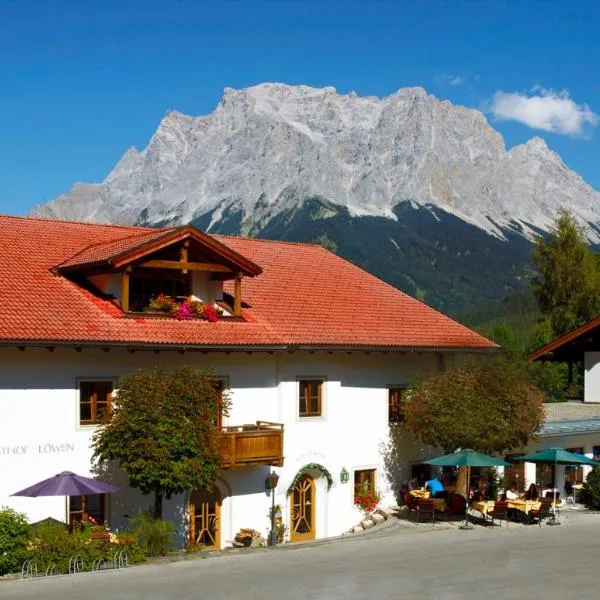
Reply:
x=145 y=285
x=182 y=267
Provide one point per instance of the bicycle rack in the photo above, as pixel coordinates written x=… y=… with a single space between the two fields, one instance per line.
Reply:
x=120 y=560
x=75 y=564
x=29 y=569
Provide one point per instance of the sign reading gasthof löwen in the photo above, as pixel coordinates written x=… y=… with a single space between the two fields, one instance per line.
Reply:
x=45 y=448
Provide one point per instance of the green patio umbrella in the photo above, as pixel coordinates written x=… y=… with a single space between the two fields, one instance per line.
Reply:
x=467 y=458
x=556 y=456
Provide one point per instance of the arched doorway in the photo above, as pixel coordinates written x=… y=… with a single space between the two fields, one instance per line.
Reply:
x=205 y=518
x=302 y=509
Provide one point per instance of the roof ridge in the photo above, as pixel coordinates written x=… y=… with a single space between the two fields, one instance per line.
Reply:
x=89 y=223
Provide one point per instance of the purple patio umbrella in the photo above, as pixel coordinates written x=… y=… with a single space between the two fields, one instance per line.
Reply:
x=67 y=484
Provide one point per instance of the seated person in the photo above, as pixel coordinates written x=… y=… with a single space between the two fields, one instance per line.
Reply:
x=512 y=492
x=435 y=487
x=413 y=484
x=532 y=492
x=482 y=488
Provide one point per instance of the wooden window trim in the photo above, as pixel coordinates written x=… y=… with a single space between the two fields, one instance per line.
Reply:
x=313 y=403
x=366 y=480
x=395 y=399
x=575 y=473
x=93 y=402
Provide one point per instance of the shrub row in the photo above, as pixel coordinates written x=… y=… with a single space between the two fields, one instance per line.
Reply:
x=51 y=544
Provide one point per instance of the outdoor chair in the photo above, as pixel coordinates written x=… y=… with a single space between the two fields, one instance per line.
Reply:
x=544 y=511
x=409 y=500
x=456 y=505
x=500 y=511
x=425 y=510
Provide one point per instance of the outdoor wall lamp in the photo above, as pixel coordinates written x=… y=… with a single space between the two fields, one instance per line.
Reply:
x=344 y=476
x=271 y=483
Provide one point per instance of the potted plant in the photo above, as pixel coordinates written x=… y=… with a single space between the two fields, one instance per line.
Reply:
x=367 y=501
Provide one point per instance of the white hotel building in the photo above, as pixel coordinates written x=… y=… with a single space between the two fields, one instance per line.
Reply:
x=314 y=350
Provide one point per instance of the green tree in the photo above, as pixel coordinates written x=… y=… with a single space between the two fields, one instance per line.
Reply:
x=15 y=536
x=164 y=431
x=487 y=404
x=567 y=286
x=591 y=489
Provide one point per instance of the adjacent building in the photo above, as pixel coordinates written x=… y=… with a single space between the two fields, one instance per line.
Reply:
x=573 y=425
x=315 y=352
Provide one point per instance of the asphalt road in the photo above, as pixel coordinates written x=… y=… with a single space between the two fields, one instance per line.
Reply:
x=521 y=562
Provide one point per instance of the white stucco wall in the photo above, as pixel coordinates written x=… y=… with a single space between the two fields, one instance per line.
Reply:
x=109 y=283
x=207 y=290
x=591 y=382
x=40 y=434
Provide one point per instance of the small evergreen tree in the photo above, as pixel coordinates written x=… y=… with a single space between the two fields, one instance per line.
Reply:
x=567 y=287
x=164 y=431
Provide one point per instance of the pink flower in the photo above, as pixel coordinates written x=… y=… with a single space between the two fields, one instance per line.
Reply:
x=184 y=312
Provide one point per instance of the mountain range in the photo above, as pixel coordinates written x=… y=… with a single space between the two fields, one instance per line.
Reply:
x=421 y=192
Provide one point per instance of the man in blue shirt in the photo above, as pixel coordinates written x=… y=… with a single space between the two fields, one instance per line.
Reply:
x=435 y=487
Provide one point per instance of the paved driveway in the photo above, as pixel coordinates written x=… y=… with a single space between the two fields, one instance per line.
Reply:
x=522 y=562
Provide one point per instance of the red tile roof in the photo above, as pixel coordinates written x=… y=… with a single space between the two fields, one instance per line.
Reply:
x=101 y=252
x=306 y=297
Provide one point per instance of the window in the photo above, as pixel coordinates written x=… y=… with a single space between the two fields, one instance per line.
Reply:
x=87 y=509
x=545 y=476
x=395 y=399
x=574 y=475
x=145 y=285
x=596 y=452
x=94 y=401
x=310 y=397
x=515 y=473
x=364 y=481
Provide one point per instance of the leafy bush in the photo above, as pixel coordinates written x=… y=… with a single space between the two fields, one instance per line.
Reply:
x=14 y=538
x=591 y=489
x=154 y=535
x=52 y=544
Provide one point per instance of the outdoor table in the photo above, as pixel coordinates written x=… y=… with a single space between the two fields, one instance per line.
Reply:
x=524 y=505
x=420 y=494
x=484 y=506
x=439 y=504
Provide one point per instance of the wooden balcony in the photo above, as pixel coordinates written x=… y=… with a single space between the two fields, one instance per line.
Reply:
x=255 y=444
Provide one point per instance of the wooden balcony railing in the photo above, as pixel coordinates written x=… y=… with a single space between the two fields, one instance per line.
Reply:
x=254 y=444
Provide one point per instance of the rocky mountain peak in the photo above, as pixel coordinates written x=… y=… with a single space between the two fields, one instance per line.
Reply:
x=268 y=148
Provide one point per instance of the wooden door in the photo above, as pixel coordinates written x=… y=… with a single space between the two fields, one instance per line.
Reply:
x=302 y=510
x=205 y=518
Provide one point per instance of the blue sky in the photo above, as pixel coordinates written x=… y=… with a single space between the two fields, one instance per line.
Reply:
x=81 y=81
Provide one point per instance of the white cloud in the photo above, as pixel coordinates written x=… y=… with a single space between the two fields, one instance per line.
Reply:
x=452 y=80
x=544 y=109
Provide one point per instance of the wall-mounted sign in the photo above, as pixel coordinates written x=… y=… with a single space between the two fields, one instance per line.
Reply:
x=45 y=448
